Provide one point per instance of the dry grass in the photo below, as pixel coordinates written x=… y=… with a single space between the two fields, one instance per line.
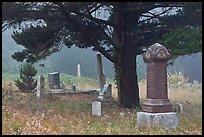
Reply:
x=24 y=114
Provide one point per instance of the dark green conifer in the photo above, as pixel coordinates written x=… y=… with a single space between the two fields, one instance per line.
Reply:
x=26 y=82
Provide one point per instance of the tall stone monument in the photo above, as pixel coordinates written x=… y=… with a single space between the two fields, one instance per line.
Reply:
x=101 y=75
x=40 y=87
x=157 y=109
x=78 y=71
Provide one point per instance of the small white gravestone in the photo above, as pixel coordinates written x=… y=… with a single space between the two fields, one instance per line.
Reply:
x=40 y=86
x=96 y=108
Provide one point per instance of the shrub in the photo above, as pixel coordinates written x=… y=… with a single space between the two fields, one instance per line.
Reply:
x=26 y=81
x=177 y=78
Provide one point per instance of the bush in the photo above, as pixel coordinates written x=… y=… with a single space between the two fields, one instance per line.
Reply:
x=177 y=78
x=26 y=81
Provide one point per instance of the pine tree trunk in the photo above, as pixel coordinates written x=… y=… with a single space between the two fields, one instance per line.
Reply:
x=125 y=54
x=128 y=90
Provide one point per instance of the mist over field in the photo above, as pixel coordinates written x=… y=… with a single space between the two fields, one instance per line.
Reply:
x=66 y=60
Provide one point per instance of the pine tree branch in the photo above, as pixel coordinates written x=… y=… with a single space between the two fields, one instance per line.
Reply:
x=154 y=15
x=80 y=29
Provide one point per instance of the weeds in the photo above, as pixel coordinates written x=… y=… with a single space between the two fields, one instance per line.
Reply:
x=65 y=115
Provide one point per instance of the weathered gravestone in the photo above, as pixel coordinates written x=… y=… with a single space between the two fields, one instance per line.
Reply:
x=106 y=92
x=40 y=86
x=96 y=108
x=62 y=85
x=73 y=87
x=178 y=108
x=157 y=109
x=101 y=76
x=54 y=80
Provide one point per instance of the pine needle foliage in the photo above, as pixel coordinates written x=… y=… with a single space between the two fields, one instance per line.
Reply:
x=26 y=82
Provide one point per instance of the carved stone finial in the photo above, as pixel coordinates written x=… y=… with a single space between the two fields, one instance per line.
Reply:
x=156 y=53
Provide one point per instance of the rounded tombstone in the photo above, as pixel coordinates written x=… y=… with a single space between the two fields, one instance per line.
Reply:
x=156 y=53
x=54 y=80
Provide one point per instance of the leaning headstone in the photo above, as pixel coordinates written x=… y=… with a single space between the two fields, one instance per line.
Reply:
x=54 y=80
x=105 y=93
x=157 y=109
x=96 y=108
x=40 y=86
x=101 y=76
x=78 y=71
x=108 y=90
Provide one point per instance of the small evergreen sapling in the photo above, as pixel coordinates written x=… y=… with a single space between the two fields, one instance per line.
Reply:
x=26 y=83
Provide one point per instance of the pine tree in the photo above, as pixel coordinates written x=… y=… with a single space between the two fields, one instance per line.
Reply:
x=26 y=83
x=118 y=30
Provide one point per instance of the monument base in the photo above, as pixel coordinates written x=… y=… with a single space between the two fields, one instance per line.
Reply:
x=157 y=106
x=165 y=120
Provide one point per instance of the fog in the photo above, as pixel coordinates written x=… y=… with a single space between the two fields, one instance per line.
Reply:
x=66 y=60
x=190 y=66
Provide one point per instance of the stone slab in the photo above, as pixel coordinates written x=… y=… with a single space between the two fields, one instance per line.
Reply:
x=163 y=120
x=68 y=92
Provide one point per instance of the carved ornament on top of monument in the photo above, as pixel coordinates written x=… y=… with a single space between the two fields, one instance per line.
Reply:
x=156 y=53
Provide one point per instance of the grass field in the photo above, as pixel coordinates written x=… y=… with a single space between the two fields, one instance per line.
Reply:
x=23 y=113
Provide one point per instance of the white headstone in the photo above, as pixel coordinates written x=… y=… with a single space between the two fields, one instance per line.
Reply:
x=96 y=108
x=40 y=86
